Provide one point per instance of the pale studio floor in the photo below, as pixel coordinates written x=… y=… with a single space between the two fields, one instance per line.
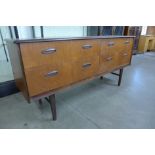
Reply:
x=96 y=104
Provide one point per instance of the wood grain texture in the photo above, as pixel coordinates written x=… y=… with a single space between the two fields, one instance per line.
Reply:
x=34 y=54
x=114 y=53
x=108 y=55
x=85 y=68
x=39 y=81
x=46 y=94
x=146 y=42
x=17 y=67
x=125 y=54
x=150 y=30
x=84 y=49
x=50 y=66
x=37 y=40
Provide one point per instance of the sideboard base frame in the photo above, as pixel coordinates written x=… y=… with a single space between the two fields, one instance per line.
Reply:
x=119 y=75
x=35 y=61
x=52 y=101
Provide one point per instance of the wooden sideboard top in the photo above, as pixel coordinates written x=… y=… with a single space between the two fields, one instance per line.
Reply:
x=18 y=41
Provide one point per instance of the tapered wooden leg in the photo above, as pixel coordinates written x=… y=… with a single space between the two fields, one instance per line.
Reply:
x=120 y=76
x=40 y=102
x=101 y=77
x=52 y=103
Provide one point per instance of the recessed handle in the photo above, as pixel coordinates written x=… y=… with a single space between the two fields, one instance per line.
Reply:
x=87 y=46
x=125 y=54
x=86 y=65
x=48 y=51
x=111 y=43
x=109 y=58
x=52 y=73
x=126 y=42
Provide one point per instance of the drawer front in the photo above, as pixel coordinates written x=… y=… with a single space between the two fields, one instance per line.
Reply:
x=107 y=64
x=46 y=78
x=85 y=68
x=45 y=53
x=124 y=56
x=128 y=42
x=108 y=55
x=110 y=48
x=84 y=49
x=117 y=44
x=115 y=53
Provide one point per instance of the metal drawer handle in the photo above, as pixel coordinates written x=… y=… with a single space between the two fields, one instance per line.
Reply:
x=86 y=46
x=125 y=54
x=52 y=73
x=86 y=65
x=48 y=51
x=111 y=44
x=126 y=42
x=109 y=58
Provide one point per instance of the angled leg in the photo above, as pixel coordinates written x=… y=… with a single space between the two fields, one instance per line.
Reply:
x=101 y=77
x=52 y=103
x=40 y=102
x=120 y=76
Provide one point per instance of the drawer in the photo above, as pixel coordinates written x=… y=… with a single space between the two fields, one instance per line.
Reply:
x=111 y=43
x=117 y=44
x=85 y=68
x=49 y=77
x=125 y=43
x=107 y=64
x=128 y=42
x=110 y=47
x=108 y=55
x=124 y=57
x=114 y=53
x=84 y=49
x=45 y=53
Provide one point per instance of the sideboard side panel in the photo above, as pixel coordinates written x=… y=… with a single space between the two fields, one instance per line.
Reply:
x=17 y=68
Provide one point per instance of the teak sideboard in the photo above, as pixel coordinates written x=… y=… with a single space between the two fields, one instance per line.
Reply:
x=41 y=67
